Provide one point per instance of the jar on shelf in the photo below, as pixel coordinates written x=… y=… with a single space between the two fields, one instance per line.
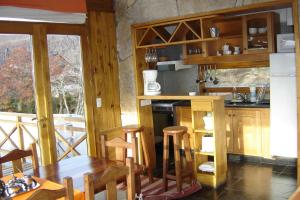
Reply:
x=208 y=121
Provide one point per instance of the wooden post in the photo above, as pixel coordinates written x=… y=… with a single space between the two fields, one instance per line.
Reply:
x=20 y=132
x=43 y=95
x=89 y=96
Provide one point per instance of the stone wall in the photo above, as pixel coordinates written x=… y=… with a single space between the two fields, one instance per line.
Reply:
x=135 y=11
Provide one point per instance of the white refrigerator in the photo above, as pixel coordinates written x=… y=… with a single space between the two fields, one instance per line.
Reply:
x=283 y=105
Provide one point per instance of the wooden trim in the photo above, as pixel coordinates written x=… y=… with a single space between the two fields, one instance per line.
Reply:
x=43 y=95
x=256 y=7
x=102 y=5
x=89 y=95
x=11 y=27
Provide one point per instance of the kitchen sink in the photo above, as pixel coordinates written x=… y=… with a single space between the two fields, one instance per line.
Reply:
x=262 y=104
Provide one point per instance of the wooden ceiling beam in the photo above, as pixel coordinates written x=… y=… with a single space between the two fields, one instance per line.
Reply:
x=100 y=5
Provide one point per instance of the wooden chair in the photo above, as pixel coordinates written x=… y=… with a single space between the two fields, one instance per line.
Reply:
x=132 y=131
x=46 y=194
x=16 y=155
x=109 y=179
x=120 y=145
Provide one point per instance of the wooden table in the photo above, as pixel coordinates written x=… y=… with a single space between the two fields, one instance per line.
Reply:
x=45 y=184
x=76 y=167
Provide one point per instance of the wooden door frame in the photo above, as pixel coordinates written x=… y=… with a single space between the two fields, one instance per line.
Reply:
x=39 y=32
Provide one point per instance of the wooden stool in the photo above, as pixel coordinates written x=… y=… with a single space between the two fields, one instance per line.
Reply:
x=177 y=132
x=132 y=130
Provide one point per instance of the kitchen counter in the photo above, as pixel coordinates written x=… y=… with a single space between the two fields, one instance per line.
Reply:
x=263 y=104
x=179 y=97
x=228 y=104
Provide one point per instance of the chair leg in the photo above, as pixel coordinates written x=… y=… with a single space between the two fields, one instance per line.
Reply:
x=150 y=174
x=188 y=155
x=138 y=183
x=177 y=162
x=165 y=161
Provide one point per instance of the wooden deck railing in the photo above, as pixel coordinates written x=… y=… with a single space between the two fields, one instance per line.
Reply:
x=18 y=130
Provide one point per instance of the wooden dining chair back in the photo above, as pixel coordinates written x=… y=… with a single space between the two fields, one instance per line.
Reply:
x=15 y=156
x=46 y=194
x=109 y=179
x=120 y=145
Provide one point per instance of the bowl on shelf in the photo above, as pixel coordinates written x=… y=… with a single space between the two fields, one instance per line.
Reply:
x=262 y=30
x=252 y=31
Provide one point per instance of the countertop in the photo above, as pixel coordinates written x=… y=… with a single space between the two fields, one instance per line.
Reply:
x=181 y=97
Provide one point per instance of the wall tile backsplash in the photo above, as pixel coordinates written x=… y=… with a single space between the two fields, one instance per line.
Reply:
x=242 y=77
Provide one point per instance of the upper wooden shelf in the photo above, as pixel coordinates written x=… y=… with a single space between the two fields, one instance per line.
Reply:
x=175 y=32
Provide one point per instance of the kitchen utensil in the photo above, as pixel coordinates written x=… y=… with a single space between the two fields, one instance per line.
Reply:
x=210 y=74
x=214 y=32
x=236 y=50
x=216 y=80
x=227 y=52
x=225 y=48
x=252 y=31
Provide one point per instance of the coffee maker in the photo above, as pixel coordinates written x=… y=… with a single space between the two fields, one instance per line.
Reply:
x=151 y=87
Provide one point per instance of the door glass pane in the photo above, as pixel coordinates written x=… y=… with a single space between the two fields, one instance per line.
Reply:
x=67 y=95
x=18 y=126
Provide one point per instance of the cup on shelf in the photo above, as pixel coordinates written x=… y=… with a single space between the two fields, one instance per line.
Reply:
x=228 y=52
x=236 y=50
x=252 y=31
x=225 y=47
x=262 y=30
x=214 y=32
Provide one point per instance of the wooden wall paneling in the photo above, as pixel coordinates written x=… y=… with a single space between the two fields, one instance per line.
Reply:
x=102 y=40
x=89 y=95
x=295 y=9
x=100 y=5
x=43 y=95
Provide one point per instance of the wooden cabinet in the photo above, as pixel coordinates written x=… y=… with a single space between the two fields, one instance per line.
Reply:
x=234 y=31
x=192 y=117
x=262 y=39
x=229 y=131
x=199 y=109
x=247 y=131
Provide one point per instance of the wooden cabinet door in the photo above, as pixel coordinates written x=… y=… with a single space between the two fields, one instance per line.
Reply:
x=229 y=131
x=247 y=132
x=259 y=42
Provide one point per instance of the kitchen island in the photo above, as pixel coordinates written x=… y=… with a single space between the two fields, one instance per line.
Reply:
x=201 y=106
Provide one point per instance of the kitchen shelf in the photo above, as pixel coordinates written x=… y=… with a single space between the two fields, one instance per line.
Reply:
x=200 y=109
x=205 y=153
x=229 y=61
x=205 y=173
x=203 y=131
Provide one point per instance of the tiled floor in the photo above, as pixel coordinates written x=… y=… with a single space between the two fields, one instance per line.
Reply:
x=252 y=182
